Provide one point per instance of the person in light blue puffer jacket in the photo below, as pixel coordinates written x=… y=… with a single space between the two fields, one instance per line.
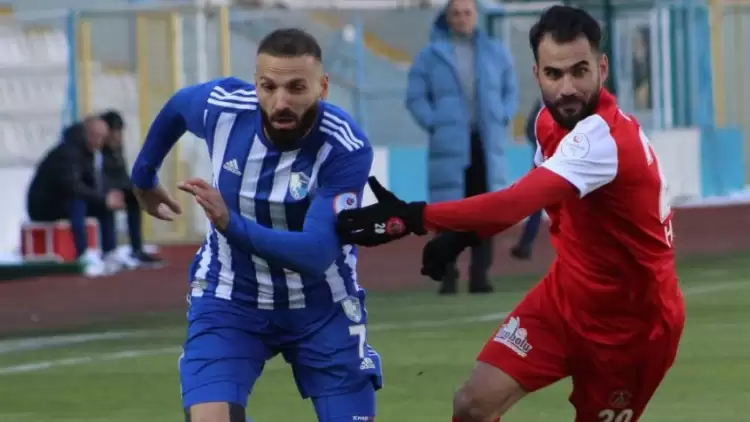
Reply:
x=462 y=90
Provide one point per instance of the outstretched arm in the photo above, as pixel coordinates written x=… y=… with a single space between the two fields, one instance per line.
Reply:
x=314 y=249
x=491 y=213
x=585 y=160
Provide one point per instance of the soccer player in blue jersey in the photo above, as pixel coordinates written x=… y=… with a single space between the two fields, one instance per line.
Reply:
x=271 y=276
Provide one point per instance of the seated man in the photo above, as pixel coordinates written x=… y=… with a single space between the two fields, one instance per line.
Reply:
x=67 y=186
x=116 y=176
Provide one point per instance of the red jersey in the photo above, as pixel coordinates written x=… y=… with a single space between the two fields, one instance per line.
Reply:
x=614 y=271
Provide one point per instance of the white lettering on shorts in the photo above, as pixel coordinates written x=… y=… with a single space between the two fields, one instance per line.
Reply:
x=512 y=335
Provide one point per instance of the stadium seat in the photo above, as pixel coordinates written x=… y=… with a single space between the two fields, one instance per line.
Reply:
x=54 y=241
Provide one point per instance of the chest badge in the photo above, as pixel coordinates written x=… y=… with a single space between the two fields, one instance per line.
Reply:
x=298 y=185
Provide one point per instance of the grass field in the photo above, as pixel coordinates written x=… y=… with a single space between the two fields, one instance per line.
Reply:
x=427 y=343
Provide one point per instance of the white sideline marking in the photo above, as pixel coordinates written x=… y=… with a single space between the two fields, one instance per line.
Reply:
x=43 y=343
x=37 y=343
x=38 y=366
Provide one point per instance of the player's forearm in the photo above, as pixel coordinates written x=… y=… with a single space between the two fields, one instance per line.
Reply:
x=164 y=133
x=494 y=212
x=303 y=252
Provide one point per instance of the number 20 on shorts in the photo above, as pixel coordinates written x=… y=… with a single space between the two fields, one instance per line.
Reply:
x=609 y=415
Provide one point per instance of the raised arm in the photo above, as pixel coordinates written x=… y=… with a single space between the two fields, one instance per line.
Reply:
x=184 y=112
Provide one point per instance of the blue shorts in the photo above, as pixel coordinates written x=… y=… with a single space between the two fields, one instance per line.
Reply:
x=228 y=345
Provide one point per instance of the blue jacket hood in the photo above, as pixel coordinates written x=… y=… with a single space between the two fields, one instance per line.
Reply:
x=440 y=28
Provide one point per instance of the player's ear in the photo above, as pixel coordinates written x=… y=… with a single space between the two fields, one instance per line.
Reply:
x=604 y=67
x=324 y=86
x=535 y=69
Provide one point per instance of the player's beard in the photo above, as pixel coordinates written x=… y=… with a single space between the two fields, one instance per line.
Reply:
x=288 y=139
x=569 y=121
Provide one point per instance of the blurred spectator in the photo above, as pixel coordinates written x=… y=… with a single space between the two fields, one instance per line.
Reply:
x=68 y=186
x=523 y=249
x=116 y=177
x=462 y=91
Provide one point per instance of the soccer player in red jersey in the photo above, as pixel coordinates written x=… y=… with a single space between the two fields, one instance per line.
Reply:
x=609 y=313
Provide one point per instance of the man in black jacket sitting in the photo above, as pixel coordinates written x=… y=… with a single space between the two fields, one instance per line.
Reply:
x=117 y=177
x=68 y=186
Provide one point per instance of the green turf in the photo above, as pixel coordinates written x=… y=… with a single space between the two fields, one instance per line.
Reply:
x=423 y=364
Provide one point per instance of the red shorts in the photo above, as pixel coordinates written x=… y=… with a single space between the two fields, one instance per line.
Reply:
x=536 y=347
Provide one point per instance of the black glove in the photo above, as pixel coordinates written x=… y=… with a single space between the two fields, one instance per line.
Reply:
x=443 y=250
x=388 y=220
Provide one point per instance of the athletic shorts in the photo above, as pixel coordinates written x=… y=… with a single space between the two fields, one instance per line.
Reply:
x=228 y=344
x=536 y=347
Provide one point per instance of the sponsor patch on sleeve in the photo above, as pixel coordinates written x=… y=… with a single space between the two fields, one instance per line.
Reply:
x=345 y=201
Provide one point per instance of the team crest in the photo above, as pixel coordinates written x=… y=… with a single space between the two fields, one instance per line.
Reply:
x=298 y=185
x=620 y=399
x=352 y=309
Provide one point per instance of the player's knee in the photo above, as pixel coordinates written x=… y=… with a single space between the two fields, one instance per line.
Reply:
x=215 y=412
x=470 y=407
x=489 y=393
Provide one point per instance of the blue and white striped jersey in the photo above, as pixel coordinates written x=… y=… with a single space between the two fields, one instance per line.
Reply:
x=280 y=250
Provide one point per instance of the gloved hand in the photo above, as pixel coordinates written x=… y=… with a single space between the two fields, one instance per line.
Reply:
x=443 y=250
x=389 y=219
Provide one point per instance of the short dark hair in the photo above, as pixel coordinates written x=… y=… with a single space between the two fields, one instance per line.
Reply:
x=113 y=119
x=290 y=42
x=565 y=24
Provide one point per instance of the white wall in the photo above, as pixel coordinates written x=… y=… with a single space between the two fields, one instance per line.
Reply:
x=13 y=211
x=679 y=155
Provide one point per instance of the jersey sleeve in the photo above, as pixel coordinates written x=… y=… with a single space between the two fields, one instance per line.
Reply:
x=538 y=156
x=184 y=112
x=341 y=182
x=587 y=156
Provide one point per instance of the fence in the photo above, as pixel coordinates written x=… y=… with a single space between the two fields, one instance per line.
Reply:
x=731 y=60
x=133 y=58
x=152 y=53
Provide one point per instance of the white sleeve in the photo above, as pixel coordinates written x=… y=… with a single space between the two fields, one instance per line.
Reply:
x=587 y=156
x=538 y=156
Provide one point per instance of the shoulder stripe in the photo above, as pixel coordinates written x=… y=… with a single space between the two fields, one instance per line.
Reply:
x=238 y=106
x=341 y=131
x=241 y=99
x=338 y=137
x=240 y=94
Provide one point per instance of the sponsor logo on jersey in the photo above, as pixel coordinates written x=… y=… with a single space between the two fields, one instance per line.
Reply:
x=512 y=335
x=233 y=167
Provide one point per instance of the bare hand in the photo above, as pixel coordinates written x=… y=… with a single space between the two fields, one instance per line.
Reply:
x=115 y=200
x=157 y=203
x=210 y=199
